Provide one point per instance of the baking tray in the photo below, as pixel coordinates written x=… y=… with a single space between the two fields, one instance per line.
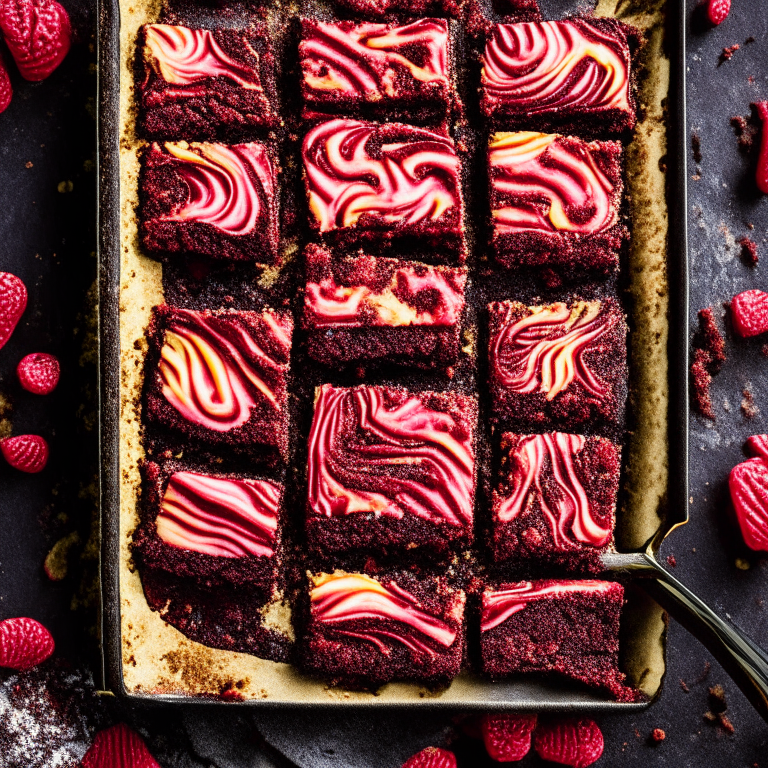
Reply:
x=146 y=659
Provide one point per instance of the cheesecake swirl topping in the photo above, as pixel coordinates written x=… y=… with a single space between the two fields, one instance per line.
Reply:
x=228 y=187
x=543 y=464
x=219 y=516
x=368 y=455
x=357 y=606
x=499 y=605
x=544 y=351
x=373 y=61
x=213 y=371
x=544 y=66
x=350 y=174
x=548 y=185
x=184 y=57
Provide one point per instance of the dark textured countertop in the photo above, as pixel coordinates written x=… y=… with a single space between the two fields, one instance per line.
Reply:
x=47 y=220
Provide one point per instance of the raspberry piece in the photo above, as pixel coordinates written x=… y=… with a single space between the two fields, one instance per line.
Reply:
x=718 y=10
x=508 y=737
x=24 y=643
x=6 y=92
x=750 y=313
x=757 y=445
x=38 y=373
x=13 y=302
x=118 y=747
x=577 y=743
x=38 y=35
x=431 y=757
x=748 y=483
x=28 y=453
x=761 y=176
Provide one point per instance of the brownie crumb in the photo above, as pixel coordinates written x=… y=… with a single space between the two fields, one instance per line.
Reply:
x=658 y=735
x=684 y=686
x=728 y=52
x=711 y=339
x=748 y=407
x=725 y=723
x=702 y=400
x=696 y=146
x=745 y=130
x=671 y=561
x=748 y=251
x=717 y=702
x=705 y=674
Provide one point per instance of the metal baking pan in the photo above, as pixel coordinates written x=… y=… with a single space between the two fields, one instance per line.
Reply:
x=145 y=659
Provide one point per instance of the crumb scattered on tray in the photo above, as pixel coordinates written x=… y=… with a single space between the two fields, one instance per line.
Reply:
x=728 y=52
x=671 y=561
x=696 y=146
x=658 y=735
x=748 y=406
x=748 y=251
x=708 y=358
x=746 y=131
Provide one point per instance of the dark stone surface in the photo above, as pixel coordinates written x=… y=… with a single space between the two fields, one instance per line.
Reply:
x=49 y=239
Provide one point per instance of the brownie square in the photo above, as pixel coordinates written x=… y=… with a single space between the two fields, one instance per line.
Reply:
x=363 y=631
x=214 y=529
x=385 y=9
x=555 y=504
x=558 y=366
x=390 y=471
x=555 y=201
x=214 y=200
x=205 y=83
x=386 y=311
x=219 y=377
x=385 y=70
x=384 y=184
x=575 y=75
x=561 y=627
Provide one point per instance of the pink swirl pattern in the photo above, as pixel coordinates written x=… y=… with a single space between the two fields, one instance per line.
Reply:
x=213 y=372
x=402 y=183
x=359 y=447
x=548 y=185
x=183 y=57
x=365 y=60
x=569 y=514
x=389 y=613
x=229 y=187
x=545 y=66
x=545 y=350
x=219 y=516
x=499 y=605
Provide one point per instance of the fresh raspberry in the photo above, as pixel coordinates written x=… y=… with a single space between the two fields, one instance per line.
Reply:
x=761 y=175
x=38 y=35
x=750 y=313
x=431 y=757
x=577 y=743
x=28 y=453
x=718 y=10
x=508 y=737
x=13 y=302
x=38 y=373
x=6 y=92
x=24 y=643
x=757 y=445
x=118 y=747
x=748 y=483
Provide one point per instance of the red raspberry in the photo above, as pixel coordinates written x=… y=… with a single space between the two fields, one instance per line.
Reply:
x=749 y=311
x=431 y=757
x=28 y=453
x=748 y=483
x=13 y=302
x=761 y=175
x=38 y=373
x=577 y=743
x=757 y=445
x=118 y=747
x=24 y=643
x=718 y=10
x=508 y=737
x=38 y=35
x=6 y=91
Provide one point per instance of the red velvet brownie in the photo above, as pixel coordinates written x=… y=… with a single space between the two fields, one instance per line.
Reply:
x=566 y=628
x=362 y=632
x=367 y=309
x=379 y=184
x=575 y=74
x=384 y=9
x=215 y=200
x=219 y=377
x=377 y=69
x=558 y=366
x=205 y=84
x=210 y=528
x=390 y=471
x=556 y=502
x=555 y=201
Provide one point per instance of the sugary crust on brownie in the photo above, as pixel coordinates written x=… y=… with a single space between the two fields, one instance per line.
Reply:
x=387 y=9
x=558 y=366
x=215 y=200
x=555 y=201
x=254 y=350
x=362 y=632
x=205 y=84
